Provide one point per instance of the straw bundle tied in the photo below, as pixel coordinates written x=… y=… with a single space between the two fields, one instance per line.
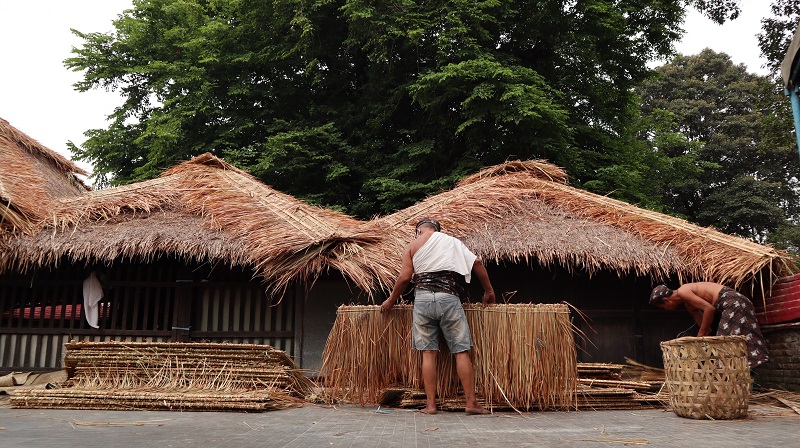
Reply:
x=524 y=356
x=185 y=376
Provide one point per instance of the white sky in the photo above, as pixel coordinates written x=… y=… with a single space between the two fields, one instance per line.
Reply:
x=37 y=97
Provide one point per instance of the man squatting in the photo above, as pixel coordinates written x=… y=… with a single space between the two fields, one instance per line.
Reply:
x=716 y=307
x=440 y=266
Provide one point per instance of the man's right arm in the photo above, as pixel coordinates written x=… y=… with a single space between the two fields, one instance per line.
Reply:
x=400 y=285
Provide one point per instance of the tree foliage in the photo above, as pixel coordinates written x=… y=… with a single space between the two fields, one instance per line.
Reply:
x=723 y=156
x=368 y=106
x=777 y=31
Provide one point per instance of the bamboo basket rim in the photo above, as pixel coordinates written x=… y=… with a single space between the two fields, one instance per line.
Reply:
x=689 y=339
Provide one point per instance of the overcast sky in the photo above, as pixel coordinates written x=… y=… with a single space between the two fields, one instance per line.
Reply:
x=36 y=94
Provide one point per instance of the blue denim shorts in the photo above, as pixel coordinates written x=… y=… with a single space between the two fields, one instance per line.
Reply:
x=438 y=313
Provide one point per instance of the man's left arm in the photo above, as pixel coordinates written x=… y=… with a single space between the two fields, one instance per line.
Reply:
x=480 y=271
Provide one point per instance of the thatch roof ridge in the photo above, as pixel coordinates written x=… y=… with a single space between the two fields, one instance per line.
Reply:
x=538 y=168
x=206 y=159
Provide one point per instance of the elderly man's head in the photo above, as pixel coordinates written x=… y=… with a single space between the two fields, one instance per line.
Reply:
x=429 y=222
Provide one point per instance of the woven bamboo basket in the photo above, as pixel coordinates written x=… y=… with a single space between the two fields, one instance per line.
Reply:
x=707 y=377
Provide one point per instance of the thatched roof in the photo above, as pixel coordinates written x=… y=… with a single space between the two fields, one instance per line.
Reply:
x=204 y=210
x=31 y=177
x=208 y=211
x=527 y=211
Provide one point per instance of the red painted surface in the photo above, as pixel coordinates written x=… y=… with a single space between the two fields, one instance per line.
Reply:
x=56 y=312
x=784 y=303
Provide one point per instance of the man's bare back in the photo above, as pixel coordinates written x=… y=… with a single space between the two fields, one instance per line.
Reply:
x=707 y=291
x=698 y=298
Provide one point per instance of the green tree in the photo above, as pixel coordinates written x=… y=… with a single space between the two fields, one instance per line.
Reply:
x=777 y=31
x=724 y=159
x=370 y=105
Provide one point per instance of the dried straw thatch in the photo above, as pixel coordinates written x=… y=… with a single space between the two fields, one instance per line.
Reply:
x=31 y=178
x=524 y=356
x=206 y=210
x=525 y=211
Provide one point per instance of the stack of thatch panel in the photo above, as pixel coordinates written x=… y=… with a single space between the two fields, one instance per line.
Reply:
x=180 y=376
x=524 y=356
x=601 y=386
x=600 y=370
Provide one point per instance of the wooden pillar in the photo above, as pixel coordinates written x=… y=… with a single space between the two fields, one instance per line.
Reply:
x=182 y=317
x=638 y=330
x=299 y=309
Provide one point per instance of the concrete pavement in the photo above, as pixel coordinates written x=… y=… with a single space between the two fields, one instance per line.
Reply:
x=353 y=426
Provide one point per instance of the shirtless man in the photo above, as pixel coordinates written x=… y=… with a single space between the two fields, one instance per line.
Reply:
x=707 y=300
x=440 y=267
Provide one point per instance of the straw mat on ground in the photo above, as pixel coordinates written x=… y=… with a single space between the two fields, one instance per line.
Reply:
x=185 y=376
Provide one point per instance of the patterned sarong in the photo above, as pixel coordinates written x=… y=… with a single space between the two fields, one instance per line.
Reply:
x=738 y=317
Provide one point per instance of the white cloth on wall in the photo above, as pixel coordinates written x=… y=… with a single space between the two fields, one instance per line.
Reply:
x=92 y=293
x=443 y=252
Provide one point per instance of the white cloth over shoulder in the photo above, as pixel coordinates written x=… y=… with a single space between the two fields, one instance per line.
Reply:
x=444 y=253
x=92 y=293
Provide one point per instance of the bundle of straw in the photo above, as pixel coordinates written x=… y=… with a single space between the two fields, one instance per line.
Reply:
x=524 y=356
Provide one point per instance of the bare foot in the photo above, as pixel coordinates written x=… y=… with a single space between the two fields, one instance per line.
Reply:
x=476 y=411
x=429 y=411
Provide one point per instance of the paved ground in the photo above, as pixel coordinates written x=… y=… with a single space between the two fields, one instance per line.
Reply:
x=352 y=426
